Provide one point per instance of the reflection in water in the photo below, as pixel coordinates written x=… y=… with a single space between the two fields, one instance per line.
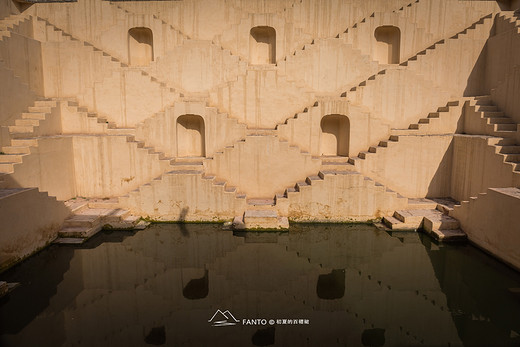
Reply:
x=373 y=337
x=331 y=286
x=264 y=337
x=197 y=288
x=157 y=337
x=152 y=288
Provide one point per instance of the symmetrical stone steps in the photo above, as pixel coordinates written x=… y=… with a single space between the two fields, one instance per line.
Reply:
x=421 y=62
x=62 y=35
x=87 y=220
x=182 y=39
x=299 y=92
x=432 y=221
x=14 y=22
x=510 y=20
x=154 y=131
x=367 y=83
x=495 y=122
x=357 y=34
x=503 y=129
x=414 y=129
x=332 y=166
x=417 y=63
x=21 y=135
x=24 y=133
x=312 y=41
x=291 y=65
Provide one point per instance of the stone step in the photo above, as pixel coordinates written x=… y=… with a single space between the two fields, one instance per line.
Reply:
x=79 y=232
x=512 y=158
x=116 y=215
x=486 y=108
x=333 y=159
x=501 y=149
x=496 y=114
x=16 y=150
x=483 y=100
x=20 y=129
x=505 y=127
x=395 y=224
x=261 y=132
x=82 y=221
x=45 y=103
x=440 y=222
x=27 y=122
x=500 y=120
x=421 y=204
x=413 y=217
x=7 y=167
x=77 y=205
x=104 y=203
x=505 y=133
x=264 y=219
x=24 y=142
x=34 y=115
x=10 y=158
x=449 y=235
x=39 y=109
x=186 y=165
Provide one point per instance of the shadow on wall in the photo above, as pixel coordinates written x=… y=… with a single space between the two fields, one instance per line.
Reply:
x=476 y=83
x=440 y=183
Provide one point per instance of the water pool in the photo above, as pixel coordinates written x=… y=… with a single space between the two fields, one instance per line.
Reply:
x=316 y=285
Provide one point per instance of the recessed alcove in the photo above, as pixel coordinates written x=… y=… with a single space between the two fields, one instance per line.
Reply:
x=388 y=44
x=140 y=46
x=191 y=136
x=262 y=45
x=335 y=135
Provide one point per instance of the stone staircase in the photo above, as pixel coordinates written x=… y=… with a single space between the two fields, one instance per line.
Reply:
x=425 y=62
x=509 y=21
x=21 y=135
x=39 y=121
x=18 y=23
x=88 y=218
x=427 y=125
x=275 y=95
x=429 y=217
x=107 y=66
x=491 y=120
x=156 y=131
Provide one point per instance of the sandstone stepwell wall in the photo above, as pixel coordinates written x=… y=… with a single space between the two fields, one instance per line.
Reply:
x=502 y=71
x=23 y=55
x=476 y=166
x=295 y=26
x=263 y=166
x=13 y=100
x=124 y=95
x=162 y=130
x=491 y=222
x=30 y=221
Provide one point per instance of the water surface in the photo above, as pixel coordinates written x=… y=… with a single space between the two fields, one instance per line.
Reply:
x=339 y=285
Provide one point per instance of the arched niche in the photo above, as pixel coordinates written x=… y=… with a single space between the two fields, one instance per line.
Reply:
x=140 y=46
x=388 y=44
x=335 y=135
x=262 y=45
x=190 y=136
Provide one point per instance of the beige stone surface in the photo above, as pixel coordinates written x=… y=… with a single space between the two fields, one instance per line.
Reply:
x=489 y=219
x=334 y=110
x=30 y=220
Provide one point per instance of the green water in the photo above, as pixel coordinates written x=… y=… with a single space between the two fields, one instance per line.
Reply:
x=340 y=285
